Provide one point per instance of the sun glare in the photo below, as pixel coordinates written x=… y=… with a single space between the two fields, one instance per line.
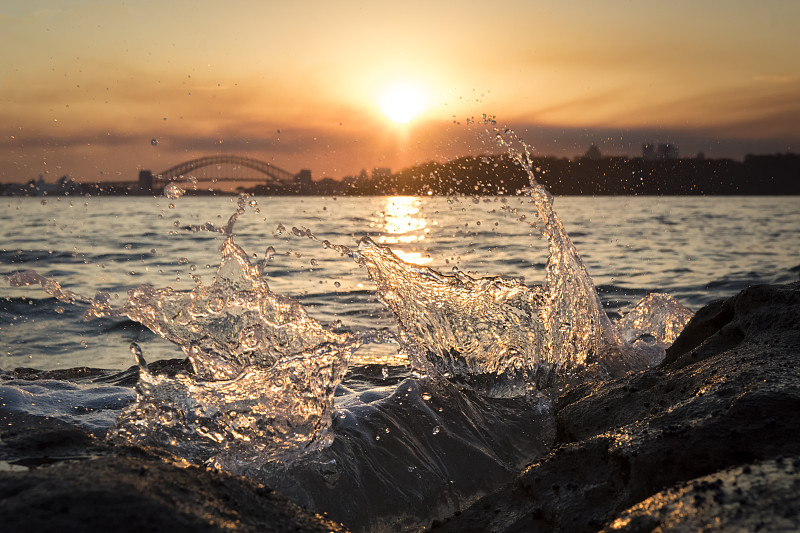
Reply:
x=403 y=102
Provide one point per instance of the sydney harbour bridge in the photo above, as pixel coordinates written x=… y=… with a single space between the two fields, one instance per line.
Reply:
x=217 y=170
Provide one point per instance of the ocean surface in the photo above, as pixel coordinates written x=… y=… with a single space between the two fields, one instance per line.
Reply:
x=398 y=436
x=697 y=249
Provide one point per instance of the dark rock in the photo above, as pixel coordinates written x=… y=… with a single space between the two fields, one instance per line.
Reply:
x=27 y=440
x=139 y=493
x=55 y=476
x=60 y=477
x=734 y=499
x=726 y=398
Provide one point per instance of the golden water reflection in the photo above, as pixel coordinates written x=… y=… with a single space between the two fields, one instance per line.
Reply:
x=404 y=223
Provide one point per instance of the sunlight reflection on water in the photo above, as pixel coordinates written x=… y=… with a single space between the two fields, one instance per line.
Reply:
x=404 y=223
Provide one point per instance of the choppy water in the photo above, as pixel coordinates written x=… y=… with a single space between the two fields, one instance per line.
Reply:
x=695 y=248
x=291 y=378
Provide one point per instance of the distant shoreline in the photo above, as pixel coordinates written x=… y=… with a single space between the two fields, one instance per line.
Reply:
x=761 y=175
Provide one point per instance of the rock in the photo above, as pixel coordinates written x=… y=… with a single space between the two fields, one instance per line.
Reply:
x=726 y=399
x=758 y=497
x=138 y=492
x=55 y=476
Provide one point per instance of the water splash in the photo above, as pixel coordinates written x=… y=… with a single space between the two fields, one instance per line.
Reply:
x=500 y=336
x=173 y=191
x=264 y=371
x=654 y=324
x=459 y=327
x=26 y=278
x=273 y=414
x=231 y=324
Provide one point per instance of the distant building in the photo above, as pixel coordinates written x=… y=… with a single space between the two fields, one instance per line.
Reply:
x=651 y=152
x=145 y=181
x=667 y=151
x=66 y=185
x=593 y=153
x=303 y=181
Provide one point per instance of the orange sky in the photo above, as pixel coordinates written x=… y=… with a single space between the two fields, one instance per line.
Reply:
x=86 y=85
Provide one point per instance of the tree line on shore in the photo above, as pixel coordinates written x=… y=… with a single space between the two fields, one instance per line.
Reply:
x=776 y=174
x=500 y=174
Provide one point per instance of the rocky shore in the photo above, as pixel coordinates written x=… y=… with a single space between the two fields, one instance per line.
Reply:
x=707 y=441
x=131 y=490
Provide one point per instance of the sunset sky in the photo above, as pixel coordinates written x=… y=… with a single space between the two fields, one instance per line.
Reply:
x=86 y=85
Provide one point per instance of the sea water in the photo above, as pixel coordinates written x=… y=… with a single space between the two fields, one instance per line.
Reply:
x=364 y=355
x=695 y=248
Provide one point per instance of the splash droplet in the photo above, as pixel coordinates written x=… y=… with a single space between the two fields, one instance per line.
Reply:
x=173 y=191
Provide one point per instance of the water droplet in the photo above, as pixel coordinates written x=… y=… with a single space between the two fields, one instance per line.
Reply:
x=426 y=396
x=137 y=354
x=313 y=262
x=154 y=141
x=436 y=430
x=173 y=191
x=337 y=284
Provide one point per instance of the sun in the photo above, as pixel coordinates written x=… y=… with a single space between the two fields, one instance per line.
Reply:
x=402 y=102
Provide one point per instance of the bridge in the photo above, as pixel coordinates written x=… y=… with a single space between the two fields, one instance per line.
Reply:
x=226 y=168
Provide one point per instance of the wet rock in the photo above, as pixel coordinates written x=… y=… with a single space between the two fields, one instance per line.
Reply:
x=759 y=497
x=55 y=476
x=138 y=493
x=40 y=440
x=725 y=400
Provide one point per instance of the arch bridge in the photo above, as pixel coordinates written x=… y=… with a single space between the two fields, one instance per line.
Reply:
x=225 y=164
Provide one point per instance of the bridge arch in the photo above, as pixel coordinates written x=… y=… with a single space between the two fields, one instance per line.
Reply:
x=182 y=169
